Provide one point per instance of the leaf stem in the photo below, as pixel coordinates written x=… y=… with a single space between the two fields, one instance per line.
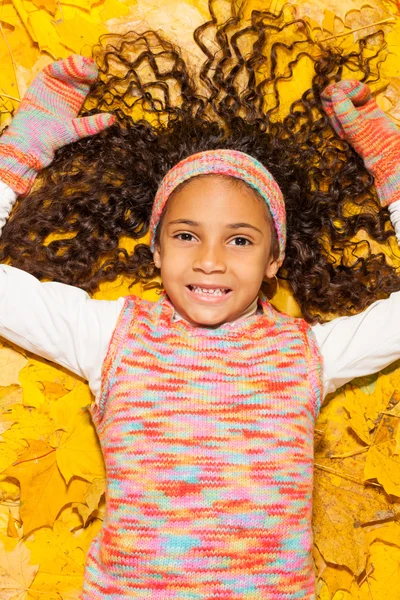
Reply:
x=348 y=454
x=333 y=37
x=345 y=475
x=3 y=95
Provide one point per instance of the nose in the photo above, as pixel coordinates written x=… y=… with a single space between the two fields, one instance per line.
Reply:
x=209 y=259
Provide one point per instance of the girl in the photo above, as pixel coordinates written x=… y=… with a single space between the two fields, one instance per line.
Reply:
x=205 y=401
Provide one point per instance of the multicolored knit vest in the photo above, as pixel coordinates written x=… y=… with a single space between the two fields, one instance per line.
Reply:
x=207 y=437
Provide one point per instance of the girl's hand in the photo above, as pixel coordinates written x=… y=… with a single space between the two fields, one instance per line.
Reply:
x=357 y=118
x=47 y=120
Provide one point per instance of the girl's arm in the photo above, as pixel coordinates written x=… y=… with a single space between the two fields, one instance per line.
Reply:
x=361 y=344
x=358 y=120
x=394 y=211
x=55 y=321
x=46 y=120
x=368 y=342
x=58 y=322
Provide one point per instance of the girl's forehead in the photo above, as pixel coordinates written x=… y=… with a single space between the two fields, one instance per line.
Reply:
x=211 y=195
x=209 y=190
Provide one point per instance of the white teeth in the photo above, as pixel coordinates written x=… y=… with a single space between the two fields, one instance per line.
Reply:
x=214 y=292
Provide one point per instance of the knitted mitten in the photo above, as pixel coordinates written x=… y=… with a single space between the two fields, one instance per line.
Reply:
x=357 y=118
x=46 y=120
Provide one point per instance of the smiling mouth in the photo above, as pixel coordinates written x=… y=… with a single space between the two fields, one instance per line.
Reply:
x=209 y=291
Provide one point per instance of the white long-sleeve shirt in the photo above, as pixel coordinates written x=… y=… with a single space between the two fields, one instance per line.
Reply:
x=63 y=324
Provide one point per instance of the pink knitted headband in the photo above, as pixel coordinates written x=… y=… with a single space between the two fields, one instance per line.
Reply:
x=225 y=162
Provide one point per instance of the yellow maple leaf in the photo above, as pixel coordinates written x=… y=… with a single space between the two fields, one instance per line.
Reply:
x=49 y=5
x=340 y=507
x=9 y=395
x=382 y=461
x=8 y=14
x=42 y=380
x=8 y=456
x=78 y=451
x=111 y=10
x=61 y=558
x=16 y=572
x=315 y=9
x=9 y=490
x=27 y=424
x=384 y=465
x=11 y=362
x=43 y=490
x=8 y=510
x=42 y=30
x=383 y=573
x=78 y=32
x=358 y=421
x=337 y=578
x=391 y=66
x=74 y=438
x=92 y=500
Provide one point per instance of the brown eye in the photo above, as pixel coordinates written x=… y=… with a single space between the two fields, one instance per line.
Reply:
x=185 y=237
x=241 y=241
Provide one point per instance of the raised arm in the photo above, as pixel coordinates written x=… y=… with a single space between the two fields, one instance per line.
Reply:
x=368 y=342
x=55 y=321
x=46 y=120
x=357 y=118
x=361 y=344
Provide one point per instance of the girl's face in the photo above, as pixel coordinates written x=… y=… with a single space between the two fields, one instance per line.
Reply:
x=214 y=249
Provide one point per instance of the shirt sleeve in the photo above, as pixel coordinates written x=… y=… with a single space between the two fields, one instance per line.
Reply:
x=58 y=322
x=394 y=212
x=361 y=344
x=55 y=321
x=7 y=201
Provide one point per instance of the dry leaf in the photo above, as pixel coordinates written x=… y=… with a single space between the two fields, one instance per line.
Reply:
x=11 y=362
x=61 y=558
x=78 y=32
x=341 y=507
x=384 y=568
x=16 y=572
x=43 y=490
x=78 y=452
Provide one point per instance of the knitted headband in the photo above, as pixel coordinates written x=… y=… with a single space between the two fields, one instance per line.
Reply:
x=225 y=162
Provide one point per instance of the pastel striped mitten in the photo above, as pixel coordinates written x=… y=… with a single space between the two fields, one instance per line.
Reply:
x=357 y=118
x=47 y=120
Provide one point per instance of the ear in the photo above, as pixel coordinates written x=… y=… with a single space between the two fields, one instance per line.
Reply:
x=157 y=255
x=272 y=268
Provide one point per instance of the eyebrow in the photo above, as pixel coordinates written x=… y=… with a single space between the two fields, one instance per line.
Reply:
x=230 y=226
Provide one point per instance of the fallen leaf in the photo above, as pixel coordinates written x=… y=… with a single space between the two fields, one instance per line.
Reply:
x=16 y=572
x=43 y=490
x=61 y=559
x=11 y=362
x=78 y=451
x=78 y=32
x=341 y=507
x=384 y=568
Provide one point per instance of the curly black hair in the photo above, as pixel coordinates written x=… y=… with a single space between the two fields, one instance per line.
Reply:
x=102 y=188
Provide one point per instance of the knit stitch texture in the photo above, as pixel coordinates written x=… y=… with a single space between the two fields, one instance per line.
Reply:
x=46 y=120
x=357 y=118
x=207 y=436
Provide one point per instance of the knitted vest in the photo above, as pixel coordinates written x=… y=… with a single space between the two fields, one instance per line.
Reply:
x=207 y=436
